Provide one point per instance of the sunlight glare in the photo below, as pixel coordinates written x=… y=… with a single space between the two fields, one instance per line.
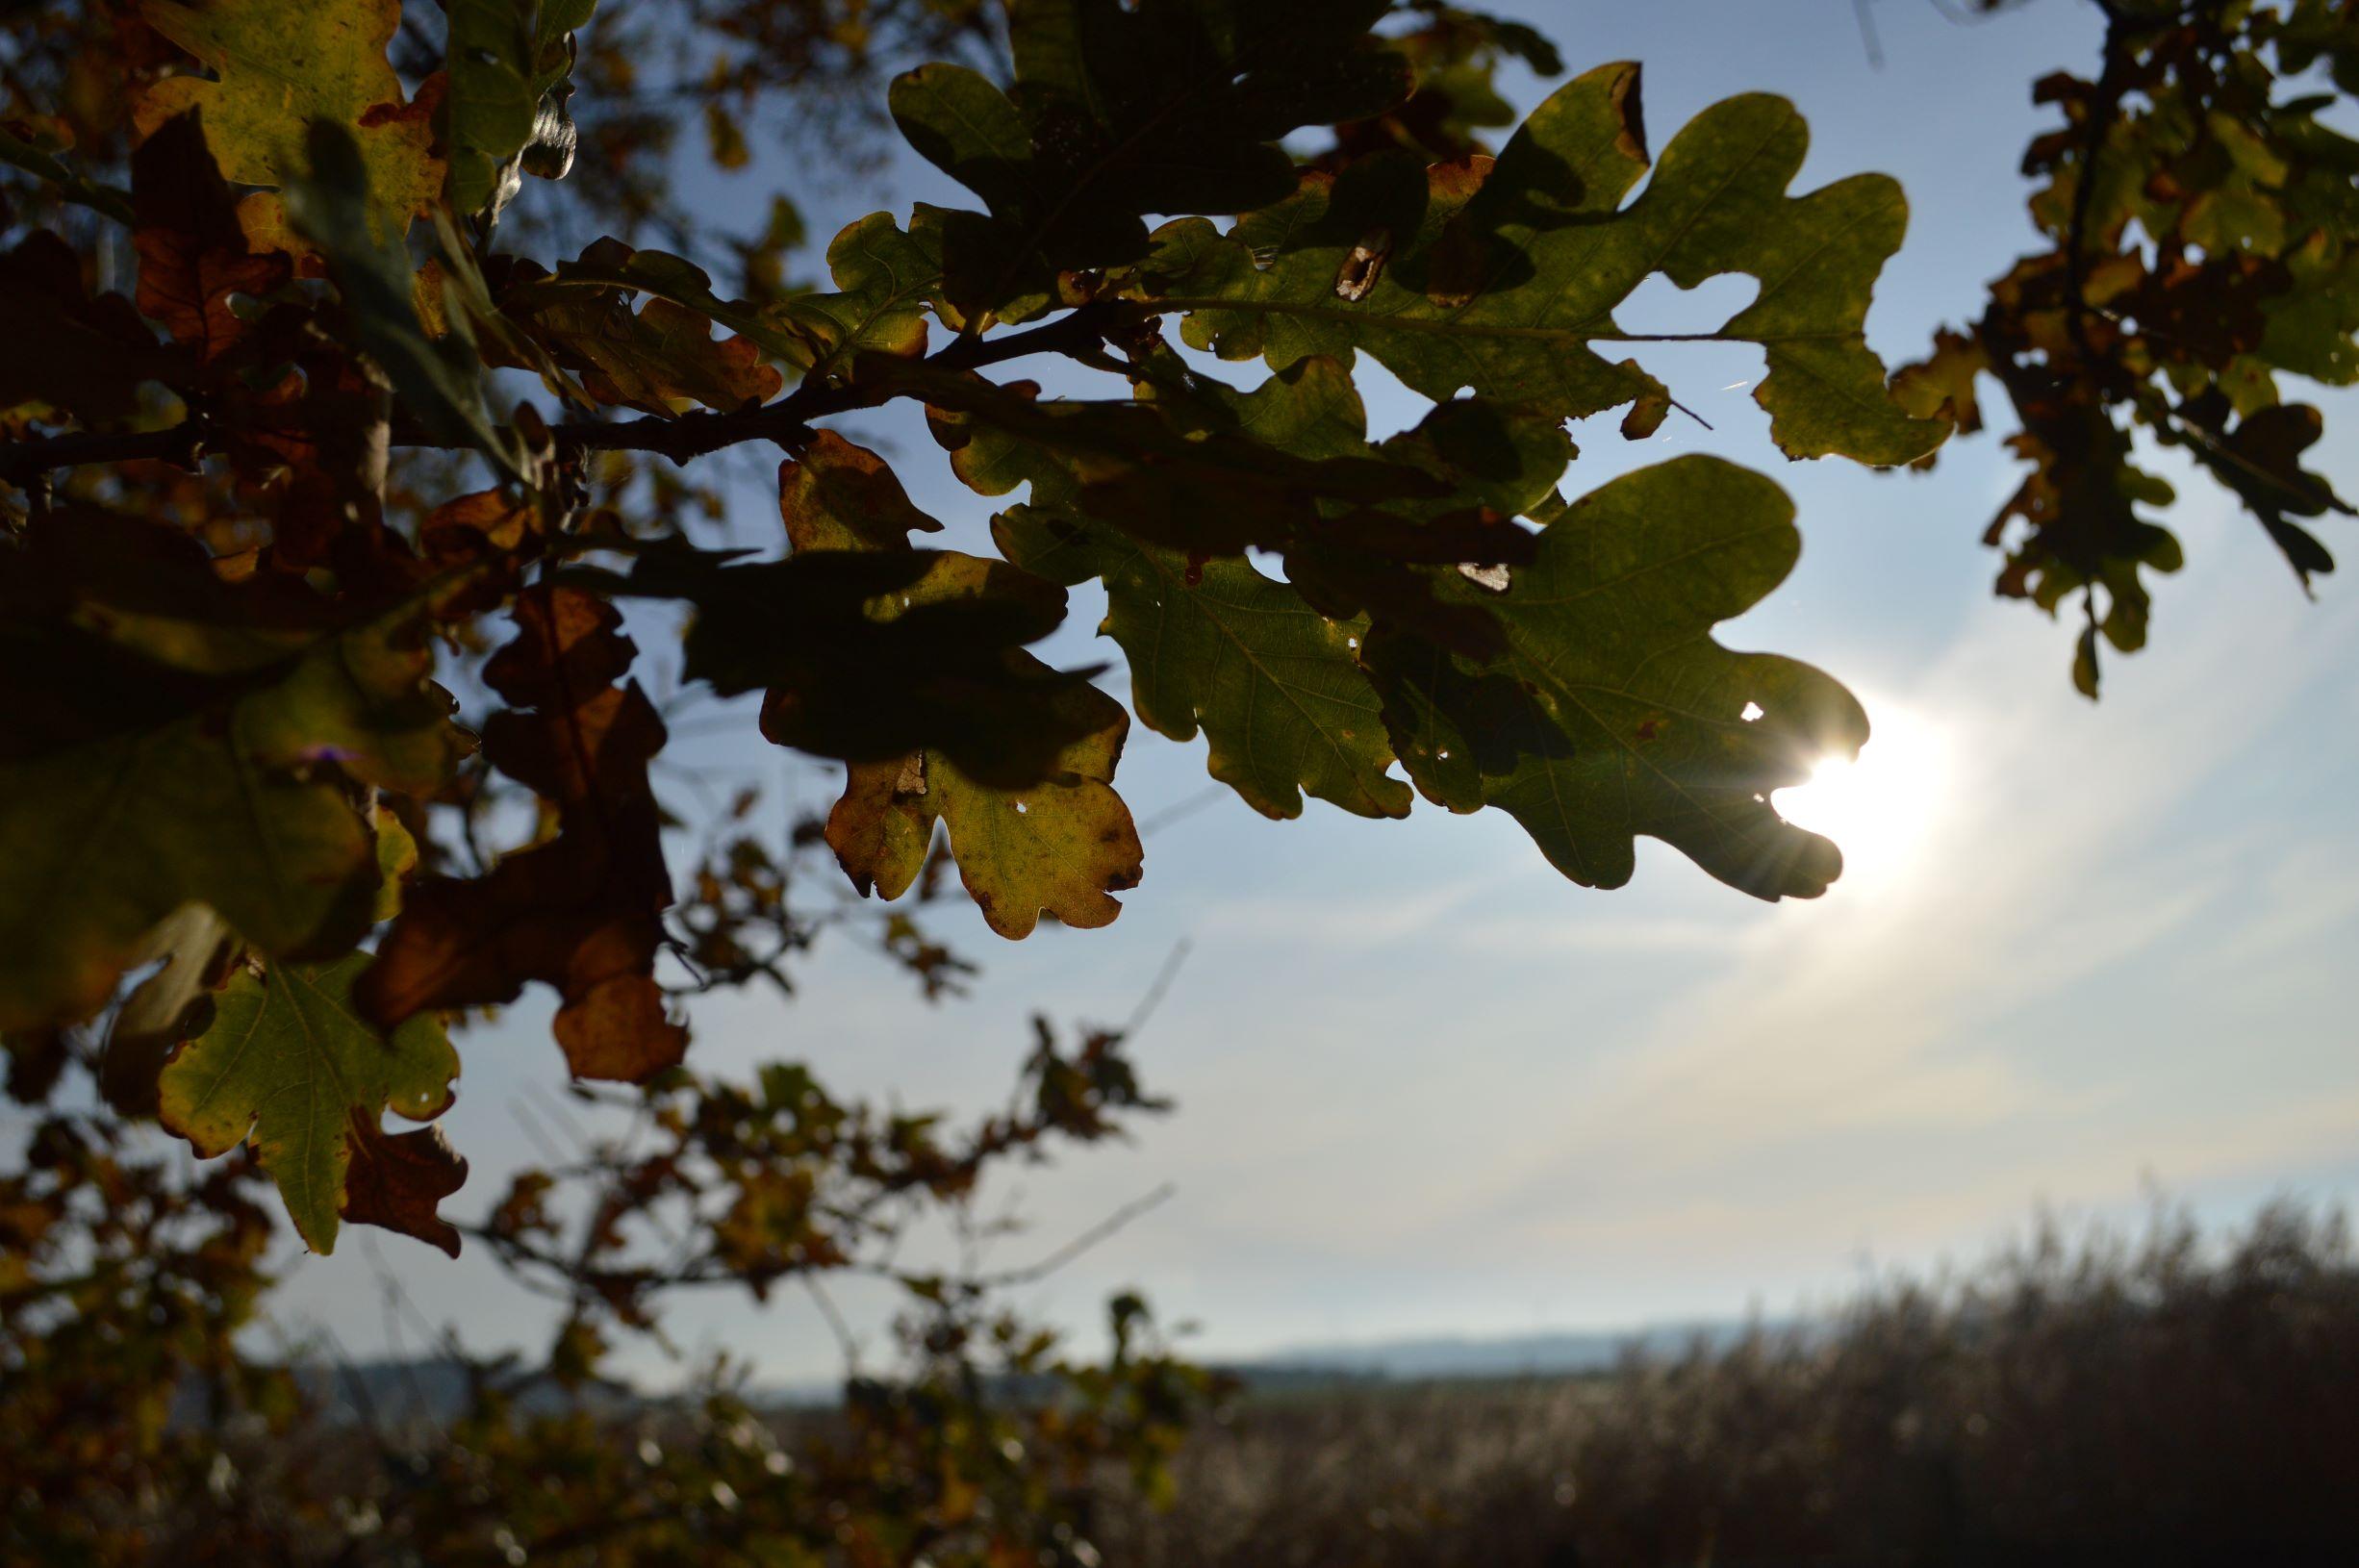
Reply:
x=1879 y=806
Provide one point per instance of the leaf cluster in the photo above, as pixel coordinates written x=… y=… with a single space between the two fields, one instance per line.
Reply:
x=346 y=470
x=282 y=501
x=141 y=1418
x=245 y=769
x=2202 y=230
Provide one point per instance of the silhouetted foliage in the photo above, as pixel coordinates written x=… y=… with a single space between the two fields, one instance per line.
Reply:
x=2201 y=218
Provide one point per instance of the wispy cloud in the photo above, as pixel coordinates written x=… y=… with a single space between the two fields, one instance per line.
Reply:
x=1931 y=1004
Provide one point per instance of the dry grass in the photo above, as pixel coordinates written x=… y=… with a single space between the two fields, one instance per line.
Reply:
x=2155 y=1402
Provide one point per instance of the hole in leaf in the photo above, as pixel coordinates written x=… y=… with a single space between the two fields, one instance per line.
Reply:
x=1659 y=305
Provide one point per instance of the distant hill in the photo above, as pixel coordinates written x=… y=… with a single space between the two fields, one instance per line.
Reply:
x=1518 y=1355
x=432 y=1388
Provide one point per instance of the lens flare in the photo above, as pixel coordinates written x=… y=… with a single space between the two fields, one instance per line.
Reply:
x=1881 y=805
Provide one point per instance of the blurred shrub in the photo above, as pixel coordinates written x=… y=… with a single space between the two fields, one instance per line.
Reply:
x=2163 y=1401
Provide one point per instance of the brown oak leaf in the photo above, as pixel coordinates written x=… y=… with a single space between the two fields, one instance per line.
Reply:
x=82 y=353
x=396 y=1178
x=193 y=256
x=582 y=912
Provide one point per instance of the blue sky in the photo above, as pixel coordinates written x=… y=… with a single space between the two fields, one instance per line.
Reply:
x=1426 y=1086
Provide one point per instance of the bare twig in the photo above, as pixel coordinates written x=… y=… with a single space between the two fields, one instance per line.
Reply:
x=847 y=1344
x=1188 y=807
x=1868 y=34
x=1159 y=988
x=1097 y=1233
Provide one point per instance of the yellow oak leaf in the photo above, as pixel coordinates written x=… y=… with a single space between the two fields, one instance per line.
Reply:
x=284 y=64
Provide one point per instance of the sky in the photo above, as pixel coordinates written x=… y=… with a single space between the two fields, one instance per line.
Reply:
x=2083 y=955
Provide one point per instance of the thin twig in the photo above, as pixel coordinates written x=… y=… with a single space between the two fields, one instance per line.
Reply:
x=1689 y=412
x=1188 y=807
x=1103 y=1230
x=522 y=1112
x=1158 y=989
x=846 y=1342
x=1868 y=34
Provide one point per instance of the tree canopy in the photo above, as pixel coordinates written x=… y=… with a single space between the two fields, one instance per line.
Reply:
x=355 y=385
x=236 y=576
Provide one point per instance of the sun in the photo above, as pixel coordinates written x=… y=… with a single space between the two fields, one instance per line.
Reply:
x=1880 y=806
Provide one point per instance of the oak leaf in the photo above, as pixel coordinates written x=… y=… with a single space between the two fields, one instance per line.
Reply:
x=197 y=950
x=79 y=352
x=1268 y=669
x=506 y=108
x=290 y=1062
x=1117 y=111
x=583 y=911
x=1505 y=278
x=284 y=64
x=1613 y=713
x=438 y=378
x=193 y=256
x=191 y=742
x=1064 y=843
x=660 y=358
x=395 y=1180
x=867 y=655
x=885 y=281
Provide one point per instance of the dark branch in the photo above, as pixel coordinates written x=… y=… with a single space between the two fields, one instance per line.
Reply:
x=786 y=421
x=2112 y=84
x=21 y=461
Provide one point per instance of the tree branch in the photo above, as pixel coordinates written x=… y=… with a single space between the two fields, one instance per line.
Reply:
x=2103 y=111
x=1035 y=1272
x=25 y=460
x=786 y=421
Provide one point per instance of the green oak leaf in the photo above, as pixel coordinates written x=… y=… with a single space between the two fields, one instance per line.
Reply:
x=489 y=104
x=1184 y=473
x=1119 y=111
x=1267 y=669
x=1065 y=842
x=1613 y=713
x=885 y=280
x=2313 y=328
x=171 y=763
x=1214 y=644
x=1269 y=680
x=1507 y=281
x=289 y=1061
x=510 y=65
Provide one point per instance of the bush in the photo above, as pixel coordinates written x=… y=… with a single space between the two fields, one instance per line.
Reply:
x=2166 y=1399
